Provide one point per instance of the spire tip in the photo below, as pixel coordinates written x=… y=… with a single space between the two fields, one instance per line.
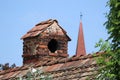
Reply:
x=81 y=15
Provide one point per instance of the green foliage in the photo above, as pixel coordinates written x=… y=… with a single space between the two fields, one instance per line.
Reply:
x=110 y=60
x=6 y=66
x=103 y=45
x=113 y=23
x=105 y=60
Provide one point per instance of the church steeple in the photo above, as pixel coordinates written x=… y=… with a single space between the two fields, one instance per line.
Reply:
x=80 y=43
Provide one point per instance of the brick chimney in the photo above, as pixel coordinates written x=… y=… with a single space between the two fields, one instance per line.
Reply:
x=47 y=40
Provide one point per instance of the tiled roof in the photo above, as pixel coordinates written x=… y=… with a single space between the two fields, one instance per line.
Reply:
x=74 y=68
x=40 y=27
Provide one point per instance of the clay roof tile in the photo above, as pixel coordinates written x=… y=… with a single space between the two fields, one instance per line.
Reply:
x=40 y=27
x=66 y=68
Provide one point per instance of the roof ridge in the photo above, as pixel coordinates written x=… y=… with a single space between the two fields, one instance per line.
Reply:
x=38 y=28
x=45 y=22
x=74 y=58
x=64 y=61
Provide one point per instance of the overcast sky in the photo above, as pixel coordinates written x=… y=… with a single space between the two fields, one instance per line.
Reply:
x=19 y=16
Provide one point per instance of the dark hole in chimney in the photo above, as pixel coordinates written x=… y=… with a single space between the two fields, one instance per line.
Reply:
x=53 y=45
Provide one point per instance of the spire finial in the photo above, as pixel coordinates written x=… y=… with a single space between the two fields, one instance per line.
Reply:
x=81 y=15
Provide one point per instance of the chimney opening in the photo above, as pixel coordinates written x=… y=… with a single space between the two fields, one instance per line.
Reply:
x=53 y=45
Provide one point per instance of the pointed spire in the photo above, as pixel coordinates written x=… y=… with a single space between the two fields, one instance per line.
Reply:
x=80 y=43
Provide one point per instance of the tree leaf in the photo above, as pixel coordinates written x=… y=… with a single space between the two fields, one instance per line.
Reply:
x=117 y=4
x=118 y=14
